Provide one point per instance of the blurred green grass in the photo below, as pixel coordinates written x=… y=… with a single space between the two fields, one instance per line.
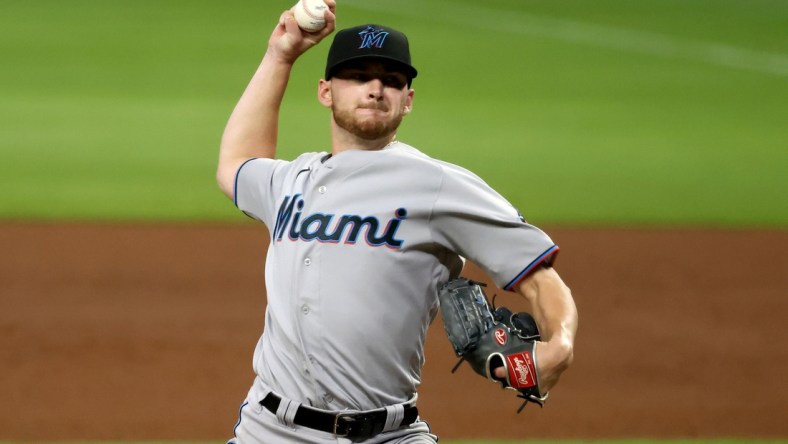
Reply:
x=616 y=112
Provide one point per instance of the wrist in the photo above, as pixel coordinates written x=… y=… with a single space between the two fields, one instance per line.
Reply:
x=559 y=352
x=279 y=58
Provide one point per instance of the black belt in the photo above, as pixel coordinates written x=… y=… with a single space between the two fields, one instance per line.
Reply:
x=353 y=425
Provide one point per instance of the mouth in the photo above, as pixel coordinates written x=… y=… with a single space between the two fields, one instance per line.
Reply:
x=380 y=108
x=372 y=114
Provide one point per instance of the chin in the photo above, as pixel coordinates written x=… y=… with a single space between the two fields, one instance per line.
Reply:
x=372 y=133
x=368 y=127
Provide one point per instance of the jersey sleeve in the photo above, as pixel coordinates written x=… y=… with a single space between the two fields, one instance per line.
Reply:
x=255 y=188
x=472 y=219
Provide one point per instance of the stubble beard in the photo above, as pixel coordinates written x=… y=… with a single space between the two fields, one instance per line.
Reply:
x=367 y=129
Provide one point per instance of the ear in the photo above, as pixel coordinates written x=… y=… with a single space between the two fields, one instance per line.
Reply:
x=408 y=105
x=324 y=93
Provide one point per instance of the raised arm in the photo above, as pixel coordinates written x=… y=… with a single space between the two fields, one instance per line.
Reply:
x=555 y=312
x=252 y=128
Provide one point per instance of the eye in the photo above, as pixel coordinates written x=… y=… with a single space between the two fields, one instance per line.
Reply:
x=394 y=81
x=360 y=77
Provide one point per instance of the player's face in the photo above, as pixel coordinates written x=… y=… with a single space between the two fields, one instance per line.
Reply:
x=369 y=99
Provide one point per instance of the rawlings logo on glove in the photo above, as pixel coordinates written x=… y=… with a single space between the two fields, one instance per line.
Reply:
x=522 y=370
x=488 y=339
x=500 y=336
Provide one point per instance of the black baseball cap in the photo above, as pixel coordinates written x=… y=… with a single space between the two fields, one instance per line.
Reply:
x=370 y=41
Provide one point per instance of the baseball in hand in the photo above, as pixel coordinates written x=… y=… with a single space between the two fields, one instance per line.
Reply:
x=310 y=15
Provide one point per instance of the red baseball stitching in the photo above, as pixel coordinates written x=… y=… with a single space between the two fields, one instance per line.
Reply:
x=308 y=12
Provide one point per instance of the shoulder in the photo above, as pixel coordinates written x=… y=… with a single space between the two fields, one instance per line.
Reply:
x=414 y=157
x=302 y=161
x=309 y=158
x=449 y=171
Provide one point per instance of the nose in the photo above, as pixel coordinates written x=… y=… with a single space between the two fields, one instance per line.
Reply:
x=375 y=88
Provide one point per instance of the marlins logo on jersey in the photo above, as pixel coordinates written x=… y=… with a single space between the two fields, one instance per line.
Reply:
x=332 y=228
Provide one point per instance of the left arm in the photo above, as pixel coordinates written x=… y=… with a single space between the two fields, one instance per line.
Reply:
x=556 y=315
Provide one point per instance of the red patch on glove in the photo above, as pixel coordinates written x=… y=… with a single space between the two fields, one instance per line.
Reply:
x=522 y=370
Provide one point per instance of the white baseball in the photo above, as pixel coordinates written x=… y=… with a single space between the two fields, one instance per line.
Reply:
x=310 y=15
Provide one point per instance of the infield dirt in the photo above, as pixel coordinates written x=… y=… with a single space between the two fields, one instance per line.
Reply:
x=147 y=332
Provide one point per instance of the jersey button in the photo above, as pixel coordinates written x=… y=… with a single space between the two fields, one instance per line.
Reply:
x=305 y=309
x=322 y=189
x=307 y=262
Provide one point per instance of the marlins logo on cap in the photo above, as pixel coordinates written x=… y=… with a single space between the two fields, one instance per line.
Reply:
x=370 y=41
x=372 y=38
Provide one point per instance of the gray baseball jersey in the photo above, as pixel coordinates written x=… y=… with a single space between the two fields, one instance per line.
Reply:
x=360 y=242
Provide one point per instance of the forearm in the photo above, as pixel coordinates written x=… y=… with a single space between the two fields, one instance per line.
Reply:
x=555 y=312
x=553 y=306
x=252 y=128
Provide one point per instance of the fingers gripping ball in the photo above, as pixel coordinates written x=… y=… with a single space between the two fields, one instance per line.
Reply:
x=491 y=339
x=310 y=15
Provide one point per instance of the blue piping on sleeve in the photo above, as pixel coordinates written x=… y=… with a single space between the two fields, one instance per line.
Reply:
x=543 y=257
x=235 y=183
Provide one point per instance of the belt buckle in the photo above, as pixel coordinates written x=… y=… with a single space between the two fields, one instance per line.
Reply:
x=355 y=425
x=336 y=431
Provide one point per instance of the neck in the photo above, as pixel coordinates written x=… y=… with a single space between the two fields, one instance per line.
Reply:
x=342 y=140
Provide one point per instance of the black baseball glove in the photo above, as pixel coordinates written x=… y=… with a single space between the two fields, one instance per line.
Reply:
x=490 y=339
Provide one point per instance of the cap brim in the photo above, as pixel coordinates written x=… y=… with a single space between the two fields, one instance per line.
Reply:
x=408 y=70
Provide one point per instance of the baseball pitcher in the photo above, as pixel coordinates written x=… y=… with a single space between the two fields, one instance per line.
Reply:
x=368 y=240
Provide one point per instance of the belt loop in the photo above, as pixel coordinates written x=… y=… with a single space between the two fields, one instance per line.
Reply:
x=394 y=415
x=286 y=412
